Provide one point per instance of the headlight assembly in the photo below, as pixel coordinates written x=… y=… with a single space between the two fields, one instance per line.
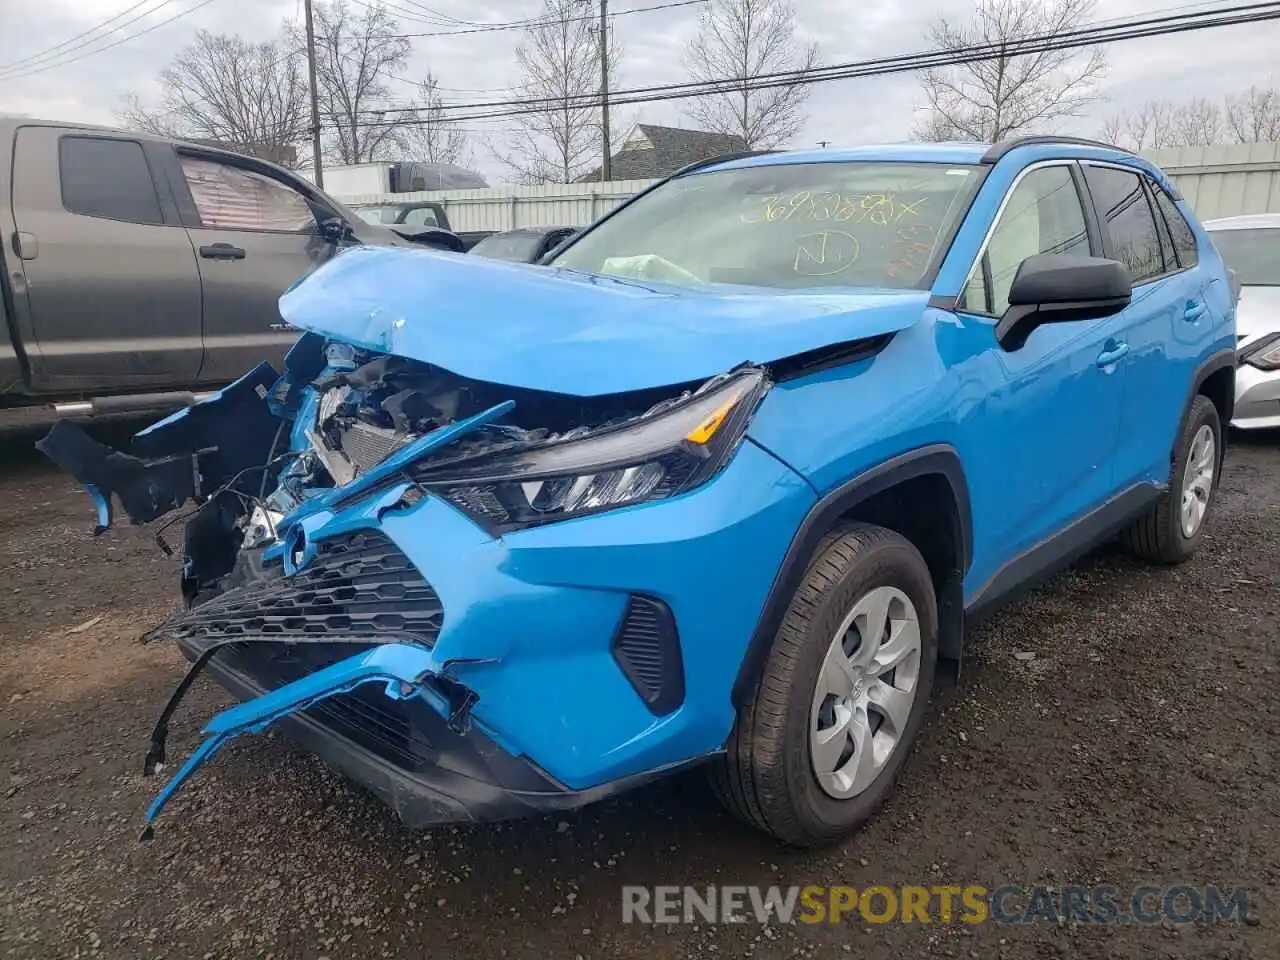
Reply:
x=653 y=457
x=1263 y=354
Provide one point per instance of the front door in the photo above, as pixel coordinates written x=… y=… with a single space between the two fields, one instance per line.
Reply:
x=112 y=292
x=1042 y=441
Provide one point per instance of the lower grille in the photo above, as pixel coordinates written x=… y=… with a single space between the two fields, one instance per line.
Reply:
x=358 y=586
x=366 y=715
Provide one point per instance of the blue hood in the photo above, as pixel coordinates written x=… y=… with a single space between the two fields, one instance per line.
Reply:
x=567 y=332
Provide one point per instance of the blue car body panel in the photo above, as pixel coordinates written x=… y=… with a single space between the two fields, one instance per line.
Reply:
x=1045 y=435
x=567 y=332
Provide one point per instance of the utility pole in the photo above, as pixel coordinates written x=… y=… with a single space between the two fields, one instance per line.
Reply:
x=315 y=96
x=606 y=173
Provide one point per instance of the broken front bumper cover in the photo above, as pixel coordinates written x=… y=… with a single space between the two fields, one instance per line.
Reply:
x=467 y=778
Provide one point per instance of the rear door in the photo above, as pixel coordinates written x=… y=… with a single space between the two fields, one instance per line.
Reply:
x=109 y=279
x=254 y=234
x=1164 y=325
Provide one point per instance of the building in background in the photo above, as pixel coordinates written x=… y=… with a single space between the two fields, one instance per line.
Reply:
x=649 y=152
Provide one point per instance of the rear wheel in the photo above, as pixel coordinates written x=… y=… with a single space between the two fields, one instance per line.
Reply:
x=842 y=695
x=1173 y=529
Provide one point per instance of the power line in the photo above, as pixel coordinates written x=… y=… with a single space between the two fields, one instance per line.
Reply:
x=536 y=22
x=1093 y=35
x=42 y=54
x=110 y=46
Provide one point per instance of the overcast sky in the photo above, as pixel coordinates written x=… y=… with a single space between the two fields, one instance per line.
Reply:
x=480 y=65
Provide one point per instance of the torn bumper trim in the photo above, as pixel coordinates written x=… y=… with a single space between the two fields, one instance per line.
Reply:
x=400 y=666
x=469 y=777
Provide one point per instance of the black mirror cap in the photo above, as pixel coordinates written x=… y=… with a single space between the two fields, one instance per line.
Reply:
x=1061 y=288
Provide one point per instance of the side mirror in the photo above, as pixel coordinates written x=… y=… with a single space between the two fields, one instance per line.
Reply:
x=335 y=230
x=1061 y=288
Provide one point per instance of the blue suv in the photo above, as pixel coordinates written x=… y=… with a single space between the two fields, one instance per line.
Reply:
x=723 y=481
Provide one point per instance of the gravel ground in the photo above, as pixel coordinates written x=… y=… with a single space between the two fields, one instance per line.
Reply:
x=1139 y=745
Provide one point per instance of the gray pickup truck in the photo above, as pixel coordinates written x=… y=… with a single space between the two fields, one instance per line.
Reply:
x=136 y=272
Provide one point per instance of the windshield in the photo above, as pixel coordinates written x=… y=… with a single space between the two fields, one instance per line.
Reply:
x=785 y=225
x=380 y=214
x=1253 y=254
x=508 y=246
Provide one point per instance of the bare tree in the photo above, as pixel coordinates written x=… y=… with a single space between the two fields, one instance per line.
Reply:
x=427 y=135
x=355 y=54
x=738 y=41
x=220 y=87
x=560 y=138
x=1255 y=115
x=1197 y=123
x=1010 y=93
x=1148 y=127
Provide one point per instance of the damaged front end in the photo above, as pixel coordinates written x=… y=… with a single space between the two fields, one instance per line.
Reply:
x=302 y=589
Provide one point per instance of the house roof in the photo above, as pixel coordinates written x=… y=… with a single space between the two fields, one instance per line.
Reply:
x=650 y=151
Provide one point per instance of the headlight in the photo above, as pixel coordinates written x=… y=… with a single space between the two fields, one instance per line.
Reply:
x=1264 y=354
x=656 y=456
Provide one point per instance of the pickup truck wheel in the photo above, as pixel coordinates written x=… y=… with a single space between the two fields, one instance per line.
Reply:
x=1172 y=530
x=842 y=694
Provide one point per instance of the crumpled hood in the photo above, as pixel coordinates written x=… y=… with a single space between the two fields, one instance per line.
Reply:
x=562 y=331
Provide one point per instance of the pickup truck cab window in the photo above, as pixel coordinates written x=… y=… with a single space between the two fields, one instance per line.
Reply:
x=421 y=217
x=230 y=198
x=1126 y=215
x=107 y=178
x=1043 y=214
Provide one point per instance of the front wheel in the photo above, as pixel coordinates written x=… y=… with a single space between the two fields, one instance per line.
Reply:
x=818 y=746
x=1173 y=529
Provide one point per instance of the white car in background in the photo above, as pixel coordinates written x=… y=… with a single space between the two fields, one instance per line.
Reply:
x=1251 y=247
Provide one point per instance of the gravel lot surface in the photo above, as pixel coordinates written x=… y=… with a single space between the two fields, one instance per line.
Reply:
x=1138 y=745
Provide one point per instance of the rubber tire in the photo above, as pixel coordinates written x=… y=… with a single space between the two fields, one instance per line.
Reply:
x=1157 y=536
x=765 y=776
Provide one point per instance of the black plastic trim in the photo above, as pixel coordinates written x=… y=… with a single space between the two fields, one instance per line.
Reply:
x=665 y=693
x=937 y=458
x=1221 y=360
x=1036 y=564
x=722 y=158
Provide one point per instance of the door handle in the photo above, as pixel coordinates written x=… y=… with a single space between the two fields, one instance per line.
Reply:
x=1113 y=354
x=1194 y=311
x=222 y=251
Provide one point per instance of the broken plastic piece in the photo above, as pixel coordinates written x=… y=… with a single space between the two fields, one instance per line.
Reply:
x=396 y=664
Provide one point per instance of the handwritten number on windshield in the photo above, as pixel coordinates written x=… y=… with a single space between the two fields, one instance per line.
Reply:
x=879 y=209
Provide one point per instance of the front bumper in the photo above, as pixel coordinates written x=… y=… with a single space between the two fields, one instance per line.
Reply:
x=443 y=777
x=527 y=626
x=1257 y=403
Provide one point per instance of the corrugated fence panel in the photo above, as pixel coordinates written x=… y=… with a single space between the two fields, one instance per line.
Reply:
x=1225 y=180
x=504 y=208
x=1219 y=181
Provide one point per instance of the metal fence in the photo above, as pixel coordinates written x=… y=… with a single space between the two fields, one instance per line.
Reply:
x=1218 y=182
x=1226 y=180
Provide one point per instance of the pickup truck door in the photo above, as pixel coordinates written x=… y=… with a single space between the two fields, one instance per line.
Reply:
x=254 y=233
x=106 y=288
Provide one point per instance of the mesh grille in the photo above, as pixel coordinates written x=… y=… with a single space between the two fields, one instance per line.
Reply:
x=365 y=715
x=647 y=648
x=360 y=585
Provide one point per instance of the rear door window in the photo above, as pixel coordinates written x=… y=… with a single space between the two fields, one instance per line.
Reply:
x=232 y=198
x=1184 y=240
x=107 y=178
x=1127 y=217
x=422 y=217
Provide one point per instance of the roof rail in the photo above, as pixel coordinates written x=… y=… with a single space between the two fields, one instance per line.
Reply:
x=998 y=150
x=722 y=158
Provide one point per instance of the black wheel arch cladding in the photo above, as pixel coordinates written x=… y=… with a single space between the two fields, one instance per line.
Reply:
x=934 y=460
